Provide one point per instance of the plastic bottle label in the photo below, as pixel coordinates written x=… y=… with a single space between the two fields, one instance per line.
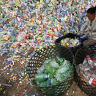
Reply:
x=92 y=81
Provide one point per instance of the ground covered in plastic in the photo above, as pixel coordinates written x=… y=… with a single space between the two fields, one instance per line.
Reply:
x=28 y=25
x=28 y=88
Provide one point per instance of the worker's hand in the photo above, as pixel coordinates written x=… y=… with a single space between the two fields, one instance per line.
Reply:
x=83 y=37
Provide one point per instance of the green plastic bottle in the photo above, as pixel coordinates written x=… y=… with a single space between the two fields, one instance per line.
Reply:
x=42 y=68
x=50 y=69
x=41 y=77
x=59 y=60
x=53 y=63
x=52 y=66
x=64 y=71
x=48 y=83
x=63 y=76
x=65 y=66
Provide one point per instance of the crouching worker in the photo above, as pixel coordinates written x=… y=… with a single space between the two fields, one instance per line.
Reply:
x=89 y=28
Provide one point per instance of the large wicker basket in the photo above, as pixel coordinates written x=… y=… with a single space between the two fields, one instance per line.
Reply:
x=69 y=35
x=79 y=58
x=38 y=59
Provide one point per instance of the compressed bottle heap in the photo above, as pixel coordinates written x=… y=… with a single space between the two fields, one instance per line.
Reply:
x=88 y=70
x=53 y=71
x=68 y=42
x=28 y=25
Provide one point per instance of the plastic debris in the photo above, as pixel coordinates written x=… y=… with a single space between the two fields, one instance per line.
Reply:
x=28 y=25
x=88 y=70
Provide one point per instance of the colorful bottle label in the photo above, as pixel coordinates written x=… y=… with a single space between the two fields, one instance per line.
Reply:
x=92 y=81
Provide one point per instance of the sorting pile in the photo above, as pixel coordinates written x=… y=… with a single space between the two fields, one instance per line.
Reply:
x=27 y=25
x=69 y=42
x=53 y=71
x=88 y=70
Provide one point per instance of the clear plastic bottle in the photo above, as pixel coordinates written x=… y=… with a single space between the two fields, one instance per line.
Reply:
x=41 y=69
x=63 y=71
x=90 y=61
x=41 y=77
x=48 y=83
x=53 y=63
x=50 y=69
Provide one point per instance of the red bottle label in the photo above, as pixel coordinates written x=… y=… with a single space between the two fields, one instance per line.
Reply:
x=92 y=81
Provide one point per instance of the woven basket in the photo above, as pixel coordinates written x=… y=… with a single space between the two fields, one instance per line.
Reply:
x=69 y=35
x=38 y=59
x=79 y=58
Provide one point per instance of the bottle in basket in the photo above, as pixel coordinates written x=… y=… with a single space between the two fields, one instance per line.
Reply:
x=63 y=71
x=50 y=69
x=92 y=81
x=90 y=61
x=41 y=69
x=41 y=77
x=64 y=41
x=48 y=83
x=54 y=64
x=59 y=60
x=47 y=61
x=76 y=42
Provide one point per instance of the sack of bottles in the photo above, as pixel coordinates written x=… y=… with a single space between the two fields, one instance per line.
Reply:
x=85 y=60
x=72 y=41
x=51 y=73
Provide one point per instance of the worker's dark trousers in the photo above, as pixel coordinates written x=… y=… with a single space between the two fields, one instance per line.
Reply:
x=89 y=42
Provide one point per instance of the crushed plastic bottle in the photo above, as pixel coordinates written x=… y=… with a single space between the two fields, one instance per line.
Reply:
x=68 y=42
x=88 y=70
x=53 y=72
